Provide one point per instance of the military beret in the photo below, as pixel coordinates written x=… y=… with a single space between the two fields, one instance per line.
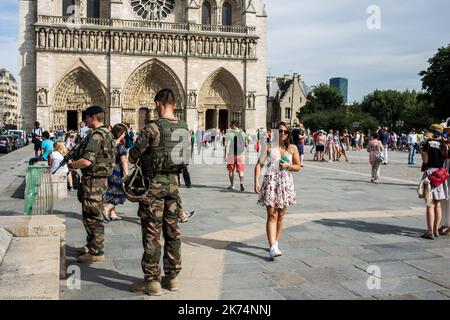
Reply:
x=91 y=111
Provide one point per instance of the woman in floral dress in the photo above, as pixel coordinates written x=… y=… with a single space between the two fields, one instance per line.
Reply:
x=115 y=194
x=277 y=191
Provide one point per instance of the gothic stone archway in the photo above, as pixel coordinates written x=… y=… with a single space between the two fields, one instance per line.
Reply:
x=222 y=99
x=141 y=88
x=78 y=90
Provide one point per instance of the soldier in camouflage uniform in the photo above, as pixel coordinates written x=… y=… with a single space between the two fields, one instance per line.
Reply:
x=95 y=158
x=163 y=148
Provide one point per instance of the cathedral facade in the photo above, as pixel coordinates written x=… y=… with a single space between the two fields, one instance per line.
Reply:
x=118 y=53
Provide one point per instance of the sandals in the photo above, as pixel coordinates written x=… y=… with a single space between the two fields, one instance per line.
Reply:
x=428 y=235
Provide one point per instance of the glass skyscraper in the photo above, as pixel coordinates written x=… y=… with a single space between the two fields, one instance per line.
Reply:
x=342 y=85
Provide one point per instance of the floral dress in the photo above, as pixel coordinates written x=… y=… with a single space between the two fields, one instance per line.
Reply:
x=277 y=190
x=115 y=194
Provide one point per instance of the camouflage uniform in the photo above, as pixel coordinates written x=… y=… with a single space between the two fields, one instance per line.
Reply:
x=159 y=210
x=98 y=149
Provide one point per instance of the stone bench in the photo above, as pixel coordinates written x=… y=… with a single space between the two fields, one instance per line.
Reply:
x=59 y=184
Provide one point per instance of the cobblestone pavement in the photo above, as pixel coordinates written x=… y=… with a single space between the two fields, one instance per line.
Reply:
x=341 y=225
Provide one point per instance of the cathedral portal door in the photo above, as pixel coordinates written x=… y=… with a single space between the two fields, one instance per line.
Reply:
x=72 y=121
x=223 y=120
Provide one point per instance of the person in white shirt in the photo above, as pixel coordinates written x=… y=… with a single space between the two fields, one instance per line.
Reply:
x=412 y=142
x=55 y=159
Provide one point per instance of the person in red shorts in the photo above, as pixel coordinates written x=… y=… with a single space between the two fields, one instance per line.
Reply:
x=235 y=154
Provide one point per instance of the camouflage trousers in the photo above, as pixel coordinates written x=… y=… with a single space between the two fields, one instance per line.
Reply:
x=159 y=213
x=93 y=206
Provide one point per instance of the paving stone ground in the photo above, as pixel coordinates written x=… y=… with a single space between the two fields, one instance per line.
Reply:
x=341 y=225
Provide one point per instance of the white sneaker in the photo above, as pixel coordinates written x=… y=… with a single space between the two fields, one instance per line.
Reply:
x=277 y=249
x=231 y=187
x=274 y=252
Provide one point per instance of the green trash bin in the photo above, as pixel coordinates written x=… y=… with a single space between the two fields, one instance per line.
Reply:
x=39 y=190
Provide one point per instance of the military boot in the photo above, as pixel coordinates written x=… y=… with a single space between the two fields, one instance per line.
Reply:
x=170 y=283
x=152 y=288
x=82 y=249
x=90 y=258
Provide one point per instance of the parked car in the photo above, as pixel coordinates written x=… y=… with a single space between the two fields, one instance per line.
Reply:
x=6 y=144
x=22 y=136
x=15 y=141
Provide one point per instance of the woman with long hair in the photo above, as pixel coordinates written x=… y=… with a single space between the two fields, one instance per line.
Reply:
x=277 y=191
x=115 y=194
x=375 y=149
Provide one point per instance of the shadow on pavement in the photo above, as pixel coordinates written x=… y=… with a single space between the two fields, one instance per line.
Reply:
x=369 y=227
x=221 y=189
x=238 y=247
x=101 y=276
x=367 y=181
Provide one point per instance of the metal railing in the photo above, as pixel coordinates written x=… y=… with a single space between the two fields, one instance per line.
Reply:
x=38 y=191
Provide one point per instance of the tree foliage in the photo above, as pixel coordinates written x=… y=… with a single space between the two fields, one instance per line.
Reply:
x=436 y=82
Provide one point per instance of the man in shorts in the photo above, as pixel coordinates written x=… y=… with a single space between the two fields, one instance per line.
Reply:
x=235 y=154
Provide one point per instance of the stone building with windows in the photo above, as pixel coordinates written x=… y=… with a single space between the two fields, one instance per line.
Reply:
x=285 y=97
x=9 y=113
x=119 y=53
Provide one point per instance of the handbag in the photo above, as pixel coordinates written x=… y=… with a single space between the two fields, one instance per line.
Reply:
x=438 y=177
x=379 y=155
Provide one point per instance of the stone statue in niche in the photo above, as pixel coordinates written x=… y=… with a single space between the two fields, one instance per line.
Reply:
x=68 y=42
x=170 y=45
x=51 y=39
x=200 y=46
x=251 y=49
x=42 y=97
x=228 y=47
x=139 y=43
x=251 y=100
x=155 y=44
x=42 y=39
x=76 y=41
x=184 y=45
x=115 y=98
x=83 y=41
x=162 y=45
x=235 y=48
x=107 y=41
x=100 y=41
x=147 y=44
x=221 y=47
x=192 y=46
x=116 y=42
x=243 y=48
x=60 y=39
x=124 y=42
x=92 y=41
x=131 y=48
x=214 y=47
x=207 y=46
x=177 y=45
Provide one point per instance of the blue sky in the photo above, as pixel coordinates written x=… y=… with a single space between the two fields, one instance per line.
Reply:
x=320 y=39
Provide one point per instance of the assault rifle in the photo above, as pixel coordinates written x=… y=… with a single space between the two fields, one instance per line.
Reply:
x=70 y=155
